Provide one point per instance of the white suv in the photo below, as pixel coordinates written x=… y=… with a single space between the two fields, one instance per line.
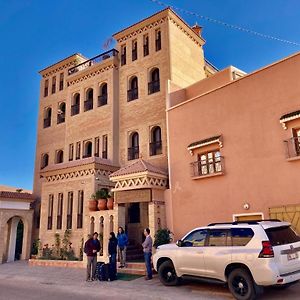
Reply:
x=245 y=255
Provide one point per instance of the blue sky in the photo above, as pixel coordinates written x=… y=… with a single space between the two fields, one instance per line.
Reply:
x=37 y=33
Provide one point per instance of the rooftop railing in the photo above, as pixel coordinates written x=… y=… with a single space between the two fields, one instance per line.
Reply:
x=95 y=60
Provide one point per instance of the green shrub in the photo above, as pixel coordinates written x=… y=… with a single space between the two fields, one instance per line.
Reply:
x=162 y=237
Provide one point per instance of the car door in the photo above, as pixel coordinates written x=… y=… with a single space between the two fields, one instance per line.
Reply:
x=217 y=253
x=190 y=254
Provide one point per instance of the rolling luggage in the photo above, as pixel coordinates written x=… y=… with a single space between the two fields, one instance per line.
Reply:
x=97 y=275
x=104 y=272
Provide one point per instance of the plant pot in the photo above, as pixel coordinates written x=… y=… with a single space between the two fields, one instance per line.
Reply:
x=92 y=205
x=102 y=204
x=33 y=256
x=110 y=203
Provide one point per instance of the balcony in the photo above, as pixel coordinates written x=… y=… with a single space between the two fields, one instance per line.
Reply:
x=47 y=122
x=132 y=94
x=74 y=109
x=88 y=104
x=146 y=50
x=292 y=147
x=102 y=100
x=153 y=87
x=134 y=54
x=61 y=118
x=208 y=168
x=95 y=60
x=155 y=148
x=133 y=153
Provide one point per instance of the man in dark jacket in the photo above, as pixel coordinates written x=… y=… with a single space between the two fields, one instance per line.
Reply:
x=91 y=247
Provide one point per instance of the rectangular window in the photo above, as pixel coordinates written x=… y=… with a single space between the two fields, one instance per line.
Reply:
x=241 y=236
x=59 y=210
x=282 y=235
x=70 y=210
x=134 y=50
x=104 y=146
x=50 y=212
x=218 y=238
x=123 y=55
x=80 y=209
x=78 y=150
x=196 y=238
x=46 y=88
x=296 y=137
x=97 y=146
x=71 y=152
x=146 y=45
x=61 y=81
x=53 y=84
x=157 y=39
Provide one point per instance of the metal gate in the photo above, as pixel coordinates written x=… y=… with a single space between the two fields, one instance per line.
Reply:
x=289 y=213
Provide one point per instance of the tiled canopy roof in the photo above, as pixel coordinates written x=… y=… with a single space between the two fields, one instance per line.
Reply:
x=138 y=166
x=204 y=142
x=16 y=195
x=290 y=115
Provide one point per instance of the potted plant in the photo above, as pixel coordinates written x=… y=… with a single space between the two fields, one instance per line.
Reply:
x=110 y=201
x=102 y=196
x=93 y=202
x=163 y=236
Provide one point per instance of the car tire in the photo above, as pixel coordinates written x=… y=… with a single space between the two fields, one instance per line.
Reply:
x=241 y=285
x=167 y=274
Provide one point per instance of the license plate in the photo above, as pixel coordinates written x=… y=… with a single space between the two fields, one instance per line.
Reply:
x=292 y=256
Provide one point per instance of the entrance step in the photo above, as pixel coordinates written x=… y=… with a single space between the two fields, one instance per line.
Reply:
x=133 y=268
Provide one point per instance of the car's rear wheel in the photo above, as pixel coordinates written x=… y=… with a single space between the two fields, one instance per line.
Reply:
x=167 y=274
x=241 y=285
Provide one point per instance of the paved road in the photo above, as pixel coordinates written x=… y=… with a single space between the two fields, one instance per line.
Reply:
x=19 y=281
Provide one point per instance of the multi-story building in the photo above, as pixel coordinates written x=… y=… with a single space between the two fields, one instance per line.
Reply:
x=102 y=124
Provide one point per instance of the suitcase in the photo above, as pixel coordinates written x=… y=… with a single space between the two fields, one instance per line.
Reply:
x=104 y=272
x=97 y=275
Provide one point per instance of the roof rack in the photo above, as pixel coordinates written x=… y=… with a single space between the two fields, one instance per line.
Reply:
x=250 y=222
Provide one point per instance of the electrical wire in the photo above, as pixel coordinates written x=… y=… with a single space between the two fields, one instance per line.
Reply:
x=231 y=26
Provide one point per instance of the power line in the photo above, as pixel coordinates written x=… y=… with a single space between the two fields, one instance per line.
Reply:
x=231 y=26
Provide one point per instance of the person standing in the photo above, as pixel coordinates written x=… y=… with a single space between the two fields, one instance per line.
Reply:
x=112 y=252
x=147 y=248
x=122 y=246
x=91 y=247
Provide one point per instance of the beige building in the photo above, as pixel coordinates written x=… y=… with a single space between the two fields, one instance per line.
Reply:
x=102 y=124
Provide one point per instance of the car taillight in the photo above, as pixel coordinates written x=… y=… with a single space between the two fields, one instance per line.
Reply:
x=267 y=250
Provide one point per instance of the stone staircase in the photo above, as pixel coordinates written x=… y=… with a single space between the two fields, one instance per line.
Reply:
x=134 y=253
x=136 y=268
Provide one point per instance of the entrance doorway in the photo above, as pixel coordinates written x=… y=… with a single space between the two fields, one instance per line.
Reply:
x=15 y=236
x=19 y=240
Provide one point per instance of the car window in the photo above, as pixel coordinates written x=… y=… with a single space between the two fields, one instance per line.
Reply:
x=282 y=235
x=195 y=238
x=241 y=236
x=218 y=237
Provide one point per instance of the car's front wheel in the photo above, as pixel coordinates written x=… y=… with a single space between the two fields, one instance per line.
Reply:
x=241 y=285
x=167 y=274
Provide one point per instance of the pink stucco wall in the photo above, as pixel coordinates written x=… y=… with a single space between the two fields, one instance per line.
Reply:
x=246 y=113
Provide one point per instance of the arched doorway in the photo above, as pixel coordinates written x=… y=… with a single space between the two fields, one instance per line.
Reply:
x=15 y=239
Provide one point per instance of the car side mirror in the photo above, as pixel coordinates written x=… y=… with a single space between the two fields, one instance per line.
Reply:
x=179 y=243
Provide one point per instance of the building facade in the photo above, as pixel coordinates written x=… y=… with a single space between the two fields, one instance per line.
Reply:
x=234 y=147
x=102 y=124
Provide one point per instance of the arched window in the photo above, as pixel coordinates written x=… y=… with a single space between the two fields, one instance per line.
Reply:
x=102 y=99
x=47 y=117
x=75 y=108
x=44 y=161
x=154 y=83
x=87 y=149
x=132 y=93
x=59 y=156
x=61 y=113
x=88 y=103
x=156 y=143
x=133 y=150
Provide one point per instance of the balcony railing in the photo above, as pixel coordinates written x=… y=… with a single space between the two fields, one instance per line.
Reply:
x=47 y=122
x=155 y=148
x=61 y=118
x=153 y=87
x=146 y=50
x=133 y=153
x=132 y=94
x=134 y=54
x=95 y=60
x=74 y=109
x=102 y=100
x=292 y=147
x=204 y=167
x=88 y=104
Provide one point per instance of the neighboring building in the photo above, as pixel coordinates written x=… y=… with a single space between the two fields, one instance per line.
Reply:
x=102 y=124
x=16 y=218
x=234 y=147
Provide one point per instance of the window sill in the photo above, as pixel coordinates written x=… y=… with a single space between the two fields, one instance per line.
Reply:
x=208 y=176
x=293 y=158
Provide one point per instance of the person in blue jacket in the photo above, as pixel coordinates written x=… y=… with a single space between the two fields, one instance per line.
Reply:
x=122 y=245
